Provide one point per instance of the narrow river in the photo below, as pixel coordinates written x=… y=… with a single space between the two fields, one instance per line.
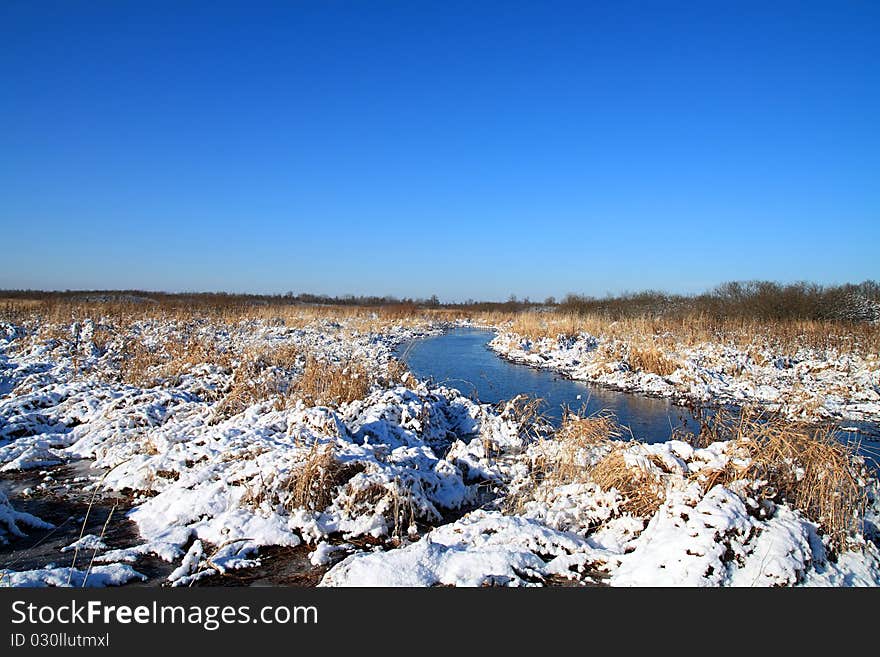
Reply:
x=461 y=359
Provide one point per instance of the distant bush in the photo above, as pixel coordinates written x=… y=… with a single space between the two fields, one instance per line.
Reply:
x=757 y=300
x=761 y=300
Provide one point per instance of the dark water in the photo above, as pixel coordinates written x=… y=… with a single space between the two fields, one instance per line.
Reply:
x=460 y=359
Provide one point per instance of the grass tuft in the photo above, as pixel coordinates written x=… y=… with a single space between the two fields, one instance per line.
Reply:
x=805 y=466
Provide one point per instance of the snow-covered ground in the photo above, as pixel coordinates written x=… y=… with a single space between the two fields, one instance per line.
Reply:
x=809 y=384
x=404 y=486
x=700 y=535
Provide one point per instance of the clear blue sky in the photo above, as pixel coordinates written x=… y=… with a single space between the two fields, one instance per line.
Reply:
x=467 y=149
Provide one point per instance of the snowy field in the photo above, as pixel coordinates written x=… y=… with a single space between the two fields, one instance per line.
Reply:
x=227 y=438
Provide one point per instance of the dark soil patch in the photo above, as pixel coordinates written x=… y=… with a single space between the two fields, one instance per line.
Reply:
x=66 y=504
x=279 y=566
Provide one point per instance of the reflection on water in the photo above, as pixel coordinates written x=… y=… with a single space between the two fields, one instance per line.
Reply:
x=460 y=359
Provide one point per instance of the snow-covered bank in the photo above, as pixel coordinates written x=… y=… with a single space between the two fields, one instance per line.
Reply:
x=810 y=384
x=221 y=450
x=697 y=533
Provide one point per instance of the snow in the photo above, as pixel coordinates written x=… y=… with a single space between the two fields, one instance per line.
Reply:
x=323 y=552
x=811 y=384
x=691 y=539
x=484 y=548
x=211 y=489
x=87 y=542
x=189 y=564
x=229 y=482
x=97 y=576
x=32 y=458
x=12 y=520
x=720 y=537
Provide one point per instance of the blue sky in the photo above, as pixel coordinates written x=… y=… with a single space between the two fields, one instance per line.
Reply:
x=458 y=148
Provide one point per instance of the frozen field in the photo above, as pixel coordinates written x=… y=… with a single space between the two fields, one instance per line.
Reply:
x=223 y=440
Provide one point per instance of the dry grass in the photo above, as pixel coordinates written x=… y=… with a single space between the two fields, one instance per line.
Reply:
x=138 y=363
x=332 y=384
x=286 y=356
x=37 y=313
x=527 y=415
x=650 y=358
x=14 y=305
x=255 y=374
x=284 y=374
x=577 y=435
x=252 y=382
x=146 y=367
x=566 y=457
x=783 y=336
x=536 y=326
x=267 y=376
x=397 y=373
x=804 y=466
x=314 y=481
x=691 y=330
x=641 y=490
x=393 y=500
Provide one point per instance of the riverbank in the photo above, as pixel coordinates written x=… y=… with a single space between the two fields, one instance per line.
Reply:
x=298 y=450
x=802 y=383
